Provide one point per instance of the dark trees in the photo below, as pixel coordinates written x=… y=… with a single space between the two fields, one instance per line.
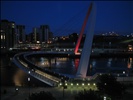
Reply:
x=41 y=96
x=109 y=86
x=88 y=95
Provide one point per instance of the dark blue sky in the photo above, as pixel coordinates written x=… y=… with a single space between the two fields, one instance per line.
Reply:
x=110 y=15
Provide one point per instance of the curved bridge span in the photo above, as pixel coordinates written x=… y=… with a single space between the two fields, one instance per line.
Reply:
x=44 y=75
x=47 y=76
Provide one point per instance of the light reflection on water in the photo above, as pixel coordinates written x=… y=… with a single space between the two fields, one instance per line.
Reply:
x=130 y=63
x=70 y=66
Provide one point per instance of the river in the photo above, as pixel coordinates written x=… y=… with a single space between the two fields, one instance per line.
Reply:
x=11 y=75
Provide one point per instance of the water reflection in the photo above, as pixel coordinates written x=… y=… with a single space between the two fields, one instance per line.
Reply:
x=70 y=66
x=76 y=63
x=129 y=63
x=94 y=63
x=109 y=62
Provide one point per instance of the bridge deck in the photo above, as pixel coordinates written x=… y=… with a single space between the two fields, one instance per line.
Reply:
x=40 y=75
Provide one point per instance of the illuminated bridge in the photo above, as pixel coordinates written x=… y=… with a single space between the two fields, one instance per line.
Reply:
x=53 y=78
x=46 y=76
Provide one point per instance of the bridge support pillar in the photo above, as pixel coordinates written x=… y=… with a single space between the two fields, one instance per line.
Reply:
x=85 y=55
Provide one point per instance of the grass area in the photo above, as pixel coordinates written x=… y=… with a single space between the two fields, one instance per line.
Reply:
x=127 y=41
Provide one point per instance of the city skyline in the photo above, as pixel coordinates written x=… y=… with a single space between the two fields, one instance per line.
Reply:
x=111 y=15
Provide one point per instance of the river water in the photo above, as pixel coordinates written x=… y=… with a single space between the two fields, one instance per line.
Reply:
x=11 y=75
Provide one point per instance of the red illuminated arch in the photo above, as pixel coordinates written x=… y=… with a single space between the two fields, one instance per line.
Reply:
x=82 y=30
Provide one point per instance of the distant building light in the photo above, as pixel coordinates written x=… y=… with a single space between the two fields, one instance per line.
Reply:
x=10 y=49
x=128 y=35
x=37 y=41
x=1 y=37
x=28 y=79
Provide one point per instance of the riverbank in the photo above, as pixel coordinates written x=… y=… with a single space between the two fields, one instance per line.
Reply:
x=71 y=54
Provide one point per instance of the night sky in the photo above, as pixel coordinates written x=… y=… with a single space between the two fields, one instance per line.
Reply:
x=110 y=15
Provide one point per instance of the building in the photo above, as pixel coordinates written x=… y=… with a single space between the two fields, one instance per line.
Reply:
x=36 y=35
x=21 y=33
x=44 y=33
x=8 y=35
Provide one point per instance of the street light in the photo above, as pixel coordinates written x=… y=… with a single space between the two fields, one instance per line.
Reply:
x=89 y=85
x=104 y=98
x=123 y=75
x=64 y=85
x=71 y=84
x=16 y=89
x=29 y=72
x=29 y=85
x=123 y=72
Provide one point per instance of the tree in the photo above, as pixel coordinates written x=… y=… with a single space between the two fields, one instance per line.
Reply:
x=42 y=96
x=108 y=85
x=88 y=95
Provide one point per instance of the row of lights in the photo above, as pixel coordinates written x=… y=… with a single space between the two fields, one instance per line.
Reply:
x=124 y=73
x=78 y=84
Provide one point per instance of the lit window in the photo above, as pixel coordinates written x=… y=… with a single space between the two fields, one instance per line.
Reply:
x=1 y=36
